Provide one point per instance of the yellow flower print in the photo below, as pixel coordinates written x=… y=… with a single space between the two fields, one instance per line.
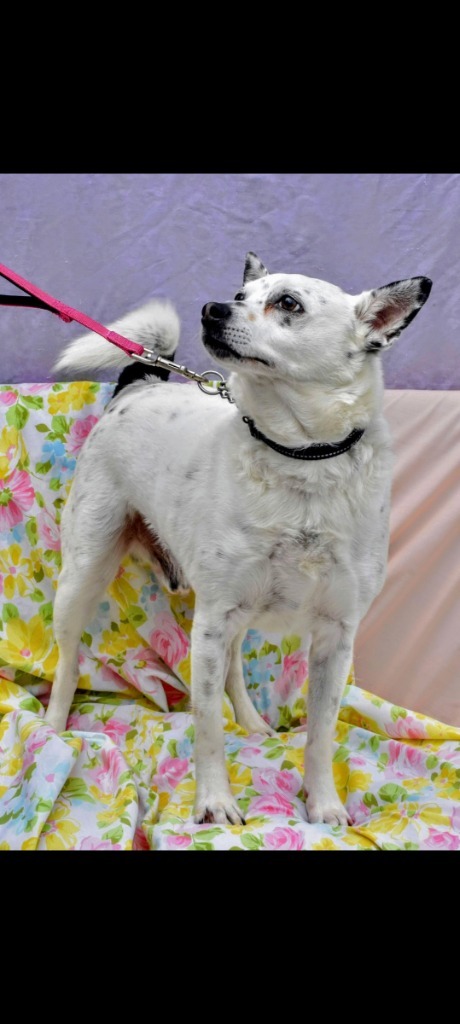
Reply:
x=359 y=781
x=390 y=821
x=13 y=761
x=184 y=670
x=5 y=846
x=446 y=782
x=8 y=446
x=30 y=844
x=114 y=643
x=118 y=805
x=74 y=396
x=354 y=717
x=122 y=591
x=59 y=831
x=341 y=773
x=324 y=844
x=352 y=837
x=29 y=645
x=13 y=578
x=433 y=815
x=239 y=775
x=342 y=731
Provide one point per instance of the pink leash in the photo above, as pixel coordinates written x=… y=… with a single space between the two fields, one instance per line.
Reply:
x=40 y=300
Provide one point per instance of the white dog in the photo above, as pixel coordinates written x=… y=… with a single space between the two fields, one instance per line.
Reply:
x=274 y=509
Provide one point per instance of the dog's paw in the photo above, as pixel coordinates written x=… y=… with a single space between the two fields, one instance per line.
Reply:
x=252 y=722
x=220 y=808
x=328 y=810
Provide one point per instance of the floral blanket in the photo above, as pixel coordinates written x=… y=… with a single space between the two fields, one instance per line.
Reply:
x=122 y=776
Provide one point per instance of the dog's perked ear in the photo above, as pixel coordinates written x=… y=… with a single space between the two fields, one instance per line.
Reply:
x=253 y=268
x=387 y=311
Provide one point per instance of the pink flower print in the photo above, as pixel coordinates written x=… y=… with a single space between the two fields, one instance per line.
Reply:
x=179 y=842
x=108 y=774
x=169 y=640
x=407 y=728
x=171 y=771
x=16 y=497
x=438 y=840
x=272 y=803
x=284 y=839
x=249 y=756
x=49 y=530
x=78 y=433
x=455 y=819
x=8 y=397
x=90 y=843
x=269 y=780
x=294 y=674
x=115 y=730
x=405 y=761
x=357 y=809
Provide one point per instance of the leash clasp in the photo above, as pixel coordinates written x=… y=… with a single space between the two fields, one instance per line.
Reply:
x=214 y=387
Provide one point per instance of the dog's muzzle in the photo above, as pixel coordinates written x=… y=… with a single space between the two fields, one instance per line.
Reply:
x=213 y=312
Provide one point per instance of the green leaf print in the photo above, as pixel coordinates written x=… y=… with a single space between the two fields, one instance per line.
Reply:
x=37 y=595
x=31 y=530
x=86 y=638
x=46 y=612
x=32 y=401
x=55 y=483
x=369 y=800
x=397 y=712
x=391 y=793
x=136 y=616
x=341 y=755
x=9 y=612
x=114 y=834
x=60 y=425
x=17 y=416
x=251 y=842
x=42 y=428
x=290 y=644
x=431 y=762
x=43 y=467
x=268 y=648
x=30 y=704
x=39 y=500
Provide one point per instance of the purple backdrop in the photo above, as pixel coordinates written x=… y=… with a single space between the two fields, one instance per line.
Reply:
x=107 y=242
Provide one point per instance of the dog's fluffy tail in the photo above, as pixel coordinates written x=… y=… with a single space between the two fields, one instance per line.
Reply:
x=156 y=324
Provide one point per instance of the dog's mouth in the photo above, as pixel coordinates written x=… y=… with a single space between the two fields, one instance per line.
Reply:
x=222 y=350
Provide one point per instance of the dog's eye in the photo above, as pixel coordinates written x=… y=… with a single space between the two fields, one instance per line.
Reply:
x=289 y=304
x=239 y=297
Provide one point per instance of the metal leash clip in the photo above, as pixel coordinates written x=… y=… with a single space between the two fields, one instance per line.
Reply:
x=217 y=386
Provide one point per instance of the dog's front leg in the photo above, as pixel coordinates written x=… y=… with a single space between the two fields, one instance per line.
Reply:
x=329 y=664
x=214 y=800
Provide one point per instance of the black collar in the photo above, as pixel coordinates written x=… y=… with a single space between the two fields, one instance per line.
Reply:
x=313 y=451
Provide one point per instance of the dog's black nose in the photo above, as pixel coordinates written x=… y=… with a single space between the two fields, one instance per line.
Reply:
x=216 y=311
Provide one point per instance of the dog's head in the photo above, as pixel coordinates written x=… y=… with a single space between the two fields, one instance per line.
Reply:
x=302 y=329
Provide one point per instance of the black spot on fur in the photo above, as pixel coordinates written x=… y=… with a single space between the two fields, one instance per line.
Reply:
x=287 y=321
x=139 y=371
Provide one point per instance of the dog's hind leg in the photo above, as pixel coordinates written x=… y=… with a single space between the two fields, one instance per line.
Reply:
x=245 y=712
x=92 y=551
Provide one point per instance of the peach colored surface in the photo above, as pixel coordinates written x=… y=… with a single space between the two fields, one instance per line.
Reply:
x=408 y=646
